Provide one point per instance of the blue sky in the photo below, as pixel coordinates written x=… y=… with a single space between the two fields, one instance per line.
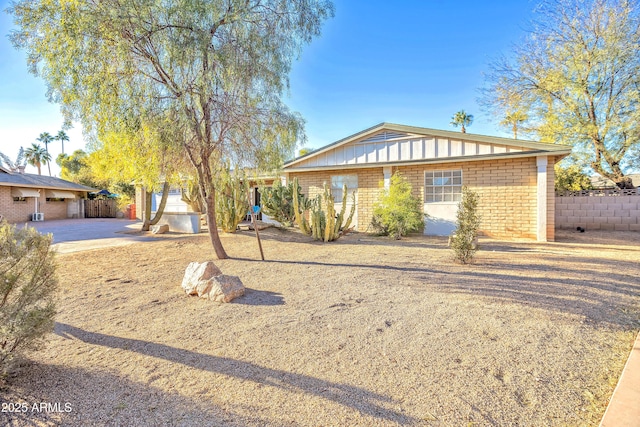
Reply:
x=408 y=62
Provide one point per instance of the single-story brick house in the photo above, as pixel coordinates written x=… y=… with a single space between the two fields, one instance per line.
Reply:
x=25 y=196
x=514 y=178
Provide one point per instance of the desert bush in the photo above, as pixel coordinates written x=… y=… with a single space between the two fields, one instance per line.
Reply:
x=325 y=223
x=571 y=178
x=27 y=290
x=277 y=202
x=397 y=212
x=463 y=242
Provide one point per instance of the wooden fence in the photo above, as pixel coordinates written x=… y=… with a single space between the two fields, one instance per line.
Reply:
x=100 y=208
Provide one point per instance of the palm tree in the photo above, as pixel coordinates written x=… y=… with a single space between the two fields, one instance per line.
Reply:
x=46 y=138
x=36 y=156
x=62 y=137
x=513 y=120
x=462 y=119
x=13 y=166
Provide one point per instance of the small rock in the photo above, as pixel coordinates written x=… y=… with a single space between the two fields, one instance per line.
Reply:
x=160 y=229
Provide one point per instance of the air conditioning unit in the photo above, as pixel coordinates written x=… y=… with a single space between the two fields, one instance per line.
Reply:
x=38 y=216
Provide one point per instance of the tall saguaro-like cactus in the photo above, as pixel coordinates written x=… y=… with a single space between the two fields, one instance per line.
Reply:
x=326 y=224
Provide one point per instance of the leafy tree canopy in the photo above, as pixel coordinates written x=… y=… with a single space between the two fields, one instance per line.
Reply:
x=577 y=77
x=215 y=68
x=571 y=178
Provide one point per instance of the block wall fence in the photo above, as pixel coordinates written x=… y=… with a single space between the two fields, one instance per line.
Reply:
x=616 y=210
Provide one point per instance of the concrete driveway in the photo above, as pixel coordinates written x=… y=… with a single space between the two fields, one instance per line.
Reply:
x=73 y=235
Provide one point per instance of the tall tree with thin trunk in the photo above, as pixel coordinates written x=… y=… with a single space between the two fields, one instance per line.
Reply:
x=45 y=138
x=218 y=68
x=462 y=119
x=62 y=137
x=37 y=156
x=578 y=77
x=513 y=120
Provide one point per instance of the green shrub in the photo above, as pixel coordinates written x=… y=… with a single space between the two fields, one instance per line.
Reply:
x=463 y=242
x=398 y=212
x=27 y=291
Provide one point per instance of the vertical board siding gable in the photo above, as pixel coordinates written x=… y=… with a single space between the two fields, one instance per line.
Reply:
x=377 y=149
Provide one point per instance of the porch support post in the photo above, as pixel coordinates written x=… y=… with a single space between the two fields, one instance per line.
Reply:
x=387 y=171
x=541 y=162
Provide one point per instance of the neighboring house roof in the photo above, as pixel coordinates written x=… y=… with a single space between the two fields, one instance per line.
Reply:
x=15 y=179
x=602 y=182
x=388 y=144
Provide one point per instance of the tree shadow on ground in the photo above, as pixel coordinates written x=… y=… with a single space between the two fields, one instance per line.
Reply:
x=92 y=398
x=356 y=398
x=600 y=298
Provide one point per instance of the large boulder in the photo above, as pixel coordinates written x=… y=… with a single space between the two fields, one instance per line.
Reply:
x=225 y=288
x=207 y=281
x=196 y=277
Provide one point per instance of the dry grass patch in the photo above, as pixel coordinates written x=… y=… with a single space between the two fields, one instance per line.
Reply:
x=362 y=331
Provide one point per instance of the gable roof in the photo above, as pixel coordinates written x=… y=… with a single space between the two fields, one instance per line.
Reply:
x=391 y=144
x=28 y=180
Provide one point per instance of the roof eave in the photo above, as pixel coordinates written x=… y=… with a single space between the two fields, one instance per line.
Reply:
x=46 y=187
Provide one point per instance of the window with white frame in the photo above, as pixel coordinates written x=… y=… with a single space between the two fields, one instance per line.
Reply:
x=443 y=186
x=337 y=184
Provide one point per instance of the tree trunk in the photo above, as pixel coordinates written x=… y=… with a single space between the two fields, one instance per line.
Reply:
x=210 y=201
x=146 y=217
x=163 y=203
x=148 y=221
x=625 y=183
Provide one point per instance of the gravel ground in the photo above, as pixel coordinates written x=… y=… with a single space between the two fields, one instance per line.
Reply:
x=360 y=332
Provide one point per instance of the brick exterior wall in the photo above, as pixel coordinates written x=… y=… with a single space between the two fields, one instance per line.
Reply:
x=369 y=186
x=598 y=212
x=507 y=190
x=18 y=212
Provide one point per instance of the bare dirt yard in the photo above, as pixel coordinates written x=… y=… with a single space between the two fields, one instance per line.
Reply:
x=363 y=331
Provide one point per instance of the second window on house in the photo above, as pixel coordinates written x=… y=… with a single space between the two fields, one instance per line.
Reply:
x=337 y=183
x=443 y=186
